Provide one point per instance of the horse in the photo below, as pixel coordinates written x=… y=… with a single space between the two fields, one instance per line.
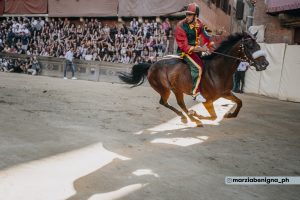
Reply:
x=173 y=74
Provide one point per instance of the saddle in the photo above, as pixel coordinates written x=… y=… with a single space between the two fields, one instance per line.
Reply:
x=172 y=56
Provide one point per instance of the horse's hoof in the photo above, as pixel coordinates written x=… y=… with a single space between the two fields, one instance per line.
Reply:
x=184 y=120
x=229 y=115
x=210 y=118
x=192 y=112
x=199 y=124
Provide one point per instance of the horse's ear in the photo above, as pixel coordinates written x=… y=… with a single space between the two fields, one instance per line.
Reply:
x=255 y=34
x=245 y=33
x=249 y=34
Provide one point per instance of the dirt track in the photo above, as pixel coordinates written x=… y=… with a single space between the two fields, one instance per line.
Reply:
x=59 y=123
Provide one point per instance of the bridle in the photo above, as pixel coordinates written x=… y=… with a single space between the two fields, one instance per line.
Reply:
x=242 y=48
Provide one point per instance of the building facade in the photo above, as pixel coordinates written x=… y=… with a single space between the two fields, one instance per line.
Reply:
x=227 y=16
x=281 y=20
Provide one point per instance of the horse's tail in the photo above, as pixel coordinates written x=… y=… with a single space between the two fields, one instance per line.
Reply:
x=137 y=75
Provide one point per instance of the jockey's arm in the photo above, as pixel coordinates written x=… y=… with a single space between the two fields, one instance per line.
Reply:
x=207 y=37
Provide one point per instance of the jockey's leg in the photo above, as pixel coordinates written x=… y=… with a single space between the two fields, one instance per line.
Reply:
x=196 y=66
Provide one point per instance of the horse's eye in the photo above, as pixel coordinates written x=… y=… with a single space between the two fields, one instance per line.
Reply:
x=249 y=44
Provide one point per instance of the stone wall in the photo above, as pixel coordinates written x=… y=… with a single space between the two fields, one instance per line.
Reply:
x=85 y=70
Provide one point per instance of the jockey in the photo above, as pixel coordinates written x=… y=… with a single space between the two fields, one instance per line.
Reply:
x=189 y=33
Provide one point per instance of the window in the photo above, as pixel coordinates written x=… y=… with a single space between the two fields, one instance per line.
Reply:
x=224 y=5
x=297 y=36
x=218 y=3
x=229 y=10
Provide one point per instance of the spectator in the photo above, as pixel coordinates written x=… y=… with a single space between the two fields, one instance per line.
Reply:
x=3 y=65
x=166 y=27
x=239 y=77
x=89 y=40
x=69 y=63
x=134 y=26
x=7 y=65
x=34 y=66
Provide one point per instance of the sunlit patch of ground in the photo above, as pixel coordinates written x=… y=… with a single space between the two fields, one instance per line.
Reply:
x=117 y=194
x=222 y=106
x=52 y=178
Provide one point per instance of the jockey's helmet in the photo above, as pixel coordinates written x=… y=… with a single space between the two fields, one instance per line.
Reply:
x=193 y=8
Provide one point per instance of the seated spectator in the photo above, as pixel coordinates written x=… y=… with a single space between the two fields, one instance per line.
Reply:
x=3 y=64
x=34 y=68
x=18 y=65
x=88 y=55
x=7 y=65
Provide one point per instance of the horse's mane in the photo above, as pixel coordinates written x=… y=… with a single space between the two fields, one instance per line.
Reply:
x=225 y=45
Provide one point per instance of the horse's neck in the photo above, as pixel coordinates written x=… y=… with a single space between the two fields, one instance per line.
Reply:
x=225 y=66
x=219 y=72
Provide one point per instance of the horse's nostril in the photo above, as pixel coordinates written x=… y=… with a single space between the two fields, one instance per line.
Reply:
x=266 y=63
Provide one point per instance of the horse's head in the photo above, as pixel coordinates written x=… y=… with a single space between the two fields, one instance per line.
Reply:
x=253 y=52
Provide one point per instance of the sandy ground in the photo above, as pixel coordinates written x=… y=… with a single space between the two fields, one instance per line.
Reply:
x=65 y=139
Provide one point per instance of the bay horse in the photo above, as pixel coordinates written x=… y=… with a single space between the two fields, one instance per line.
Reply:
x=173 y=74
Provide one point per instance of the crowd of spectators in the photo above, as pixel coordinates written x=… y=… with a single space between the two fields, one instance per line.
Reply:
x=90 y=39
x=29 y=65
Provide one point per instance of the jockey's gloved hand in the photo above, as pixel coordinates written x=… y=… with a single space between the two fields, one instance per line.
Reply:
x=201 y=49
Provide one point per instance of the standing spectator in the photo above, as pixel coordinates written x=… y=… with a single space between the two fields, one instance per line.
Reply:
x=38 y=27
x=25 y=41
x=69 y=63
x=239 y=77
x=1 y=45
x=134 y=26
x=166 y=26
x=165 y=45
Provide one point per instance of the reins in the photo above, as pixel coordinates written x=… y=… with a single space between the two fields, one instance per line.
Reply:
x=237 y=58
x=226 y=55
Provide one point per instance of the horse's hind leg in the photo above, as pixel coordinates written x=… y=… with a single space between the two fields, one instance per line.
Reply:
x=164 y=101
x=238 y=102
x=209 y=105
x=180 y=102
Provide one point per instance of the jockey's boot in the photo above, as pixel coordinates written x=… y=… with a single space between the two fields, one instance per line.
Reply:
x=199 y=98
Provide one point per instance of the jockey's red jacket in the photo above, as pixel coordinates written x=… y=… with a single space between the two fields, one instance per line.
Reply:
x=190 y=35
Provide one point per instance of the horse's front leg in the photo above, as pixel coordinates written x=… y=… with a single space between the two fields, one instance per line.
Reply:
x=236 y=109
x=180 y=102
